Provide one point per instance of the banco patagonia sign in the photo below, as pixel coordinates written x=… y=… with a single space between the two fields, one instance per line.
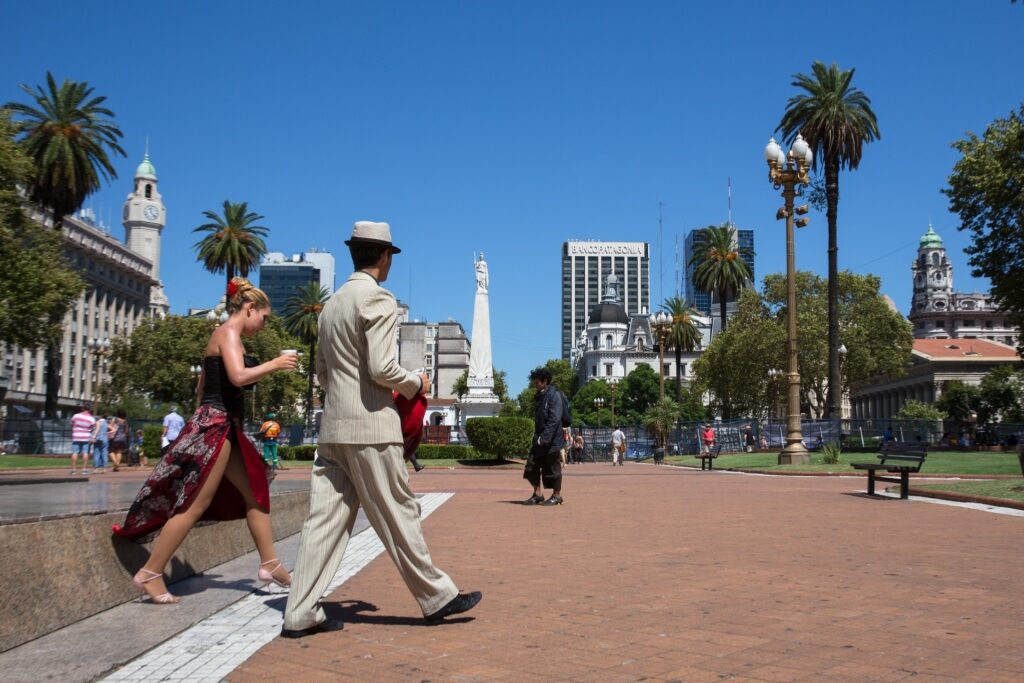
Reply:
x=607 y=248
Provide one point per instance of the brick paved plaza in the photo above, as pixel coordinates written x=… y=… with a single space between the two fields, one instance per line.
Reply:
x=669 y=574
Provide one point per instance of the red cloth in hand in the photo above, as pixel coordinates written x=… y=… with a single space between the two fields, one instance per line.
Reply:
x=411 y=412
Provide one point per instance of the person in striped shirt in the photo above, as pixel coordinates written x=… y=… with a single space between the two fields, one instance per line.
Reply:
x=82 y=426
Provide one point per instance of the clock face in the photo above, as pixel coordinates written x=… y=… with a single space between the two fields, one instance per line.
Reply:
x=151 y=212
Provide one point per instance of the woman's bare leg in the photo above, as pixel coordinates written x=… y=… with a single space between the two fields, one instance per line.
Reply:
x=178 y=526
x=257 y=519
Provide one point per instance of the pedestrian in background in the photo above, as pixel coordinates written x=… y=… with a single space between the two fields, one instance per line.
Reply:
x=748 y=438
x=82 y=426
x=173 y=424
x=118 y=438
x=269 y=431
x=578 y=444
x=618 y=444
x=100 y=445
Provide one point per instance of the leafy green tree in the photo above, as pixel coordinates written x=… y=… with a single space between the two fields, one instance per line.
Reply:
x=637 y=392
x=156 y=361
x=916 y=410
x=836 y=120
x=37 y=285
x=959 y=400
x=583 y=409
x=68 y=134
x=878 y=339
x=234 y=243
x=986 y=189
x=659 y=419
x=280 y=392
x=721 y=265
x=501 y=437
x=562 y=376
x=461 y=385
x=734 y=367
x=999 y=395
x=302 y=318
x=685 y=335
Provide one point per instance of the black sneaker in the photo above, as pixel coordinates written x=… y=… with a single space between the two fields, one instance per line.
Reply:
x=534 y=500
x=457 y=605
x=553 y=500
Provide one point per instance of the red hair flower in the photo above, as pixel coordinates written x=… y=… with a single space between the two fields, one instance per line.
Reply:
x=232 y=289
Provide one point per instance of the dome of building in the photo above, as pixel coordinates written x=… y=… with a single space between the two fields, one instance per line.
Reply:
x=931 y=240
x=608 y=313
x=145 y=169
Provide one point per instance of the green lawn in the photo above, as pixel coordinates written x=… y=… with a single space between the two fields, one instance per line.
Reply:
x=939 y=462
x=34 y=462
x=438 y=463
x=1012 y=489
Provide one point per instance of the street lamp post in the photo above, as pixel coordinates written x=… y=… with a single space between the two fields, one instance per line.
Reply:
x=787 y=172
x=842 y=400
x=599 y=403
x=661 y=326
x=100 y=349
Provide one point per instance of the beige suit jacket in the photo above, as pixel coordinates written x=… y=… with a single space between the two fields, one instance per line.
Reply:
x=357 y=367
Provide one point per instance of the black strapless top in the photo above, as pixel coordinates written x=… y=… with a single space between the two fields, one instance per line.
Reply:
x=218 y=391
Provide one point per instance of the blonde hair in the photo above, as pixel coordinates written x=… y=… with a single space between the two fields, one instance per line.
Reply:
x=245 y=293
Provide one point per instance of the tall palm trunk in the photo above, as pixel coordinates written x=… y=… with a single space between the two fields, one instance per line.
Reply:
x=722 y=296
x=679 y=375
x=309 y=387
x=53 y=358
x=229 y=272
x=832 y=199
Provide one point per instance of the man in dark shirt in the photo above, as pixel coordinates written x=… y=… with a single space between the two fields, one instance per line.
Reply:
x=545 y=463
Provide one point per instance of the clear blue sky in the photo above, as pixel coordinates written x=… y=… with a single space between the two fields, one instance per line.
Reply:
x=510 y=127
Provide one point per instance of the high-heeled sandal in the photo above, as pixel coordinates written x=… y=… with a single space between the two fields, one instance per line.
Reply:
x=266 y=576
x=163 y=598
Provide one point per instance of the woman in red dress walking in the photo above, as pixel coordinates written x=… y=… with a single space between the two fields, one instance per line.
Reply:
x=212 y=471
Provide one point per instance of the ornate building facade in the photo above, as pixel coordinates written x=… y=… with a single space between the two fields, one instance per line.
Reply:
x=122 y=289
x=939 y=312
x=614 y=342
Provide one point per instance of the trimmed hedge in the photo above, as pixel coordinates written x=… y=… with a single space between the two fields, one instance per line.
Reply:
x=425 y=452
x=500 y=437
x=152 y=435
x=306 y=451
x=429 y=451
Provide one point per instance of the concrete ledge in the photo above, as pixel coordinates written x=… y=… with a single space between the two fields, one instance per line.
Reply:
x=59 y=571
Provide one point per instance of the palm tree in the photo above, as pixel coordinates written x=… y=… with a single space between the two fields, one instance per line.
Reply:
x=721 y=264
x=836 y=120
x=684 y=335
x=234 y=243
x=302 y=318
x=69 y=136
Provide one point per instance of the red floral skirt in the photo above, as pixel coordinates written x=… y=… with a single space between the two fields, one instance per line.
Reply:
x=181 y=472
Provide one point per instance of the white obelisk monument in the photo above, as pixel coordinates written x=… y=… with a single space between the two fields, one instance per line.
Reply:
x=480 y=401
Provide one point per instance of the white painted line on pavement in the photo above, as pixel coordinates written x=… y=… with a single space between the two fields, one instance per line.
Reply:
x=981 y=507
x=214 y=647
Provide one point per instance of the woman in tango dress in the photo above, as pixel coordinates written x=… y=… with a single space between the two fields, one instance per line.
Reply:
x=212 y=471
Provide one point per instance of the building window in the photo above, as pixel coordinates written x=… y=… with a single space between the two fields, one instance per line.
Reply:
x=593 y=371
x=608 y=369
x=667 y=369
x=149 y=191
x=682 y=369
x=608 y=342
x=940 y=324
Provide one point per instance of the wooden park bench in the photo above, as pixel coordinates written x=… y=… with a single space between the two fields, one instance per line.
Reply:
x=709 y=458
x=902 y=458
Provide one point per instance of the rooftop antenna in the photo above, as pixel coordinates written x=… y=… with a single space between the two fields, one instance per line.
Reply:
x=675 y=262
x=147 y=145
x=729 y=200
x=661 y=260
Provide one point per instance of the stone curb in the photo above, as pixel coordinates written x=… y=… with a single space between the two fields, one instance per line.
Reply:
x=966 y=498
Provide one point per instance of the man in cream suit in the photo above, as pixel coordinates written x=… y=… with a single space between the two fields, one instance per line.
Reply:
x=359 y=457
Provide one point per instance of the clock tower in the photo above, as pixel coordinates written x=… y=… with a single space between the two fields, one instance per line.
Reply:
x=144 y=218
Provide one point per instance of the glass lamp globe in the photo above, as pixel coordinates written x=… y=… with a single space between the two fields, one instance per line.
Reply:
x=800 y=147
x=772 y=150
